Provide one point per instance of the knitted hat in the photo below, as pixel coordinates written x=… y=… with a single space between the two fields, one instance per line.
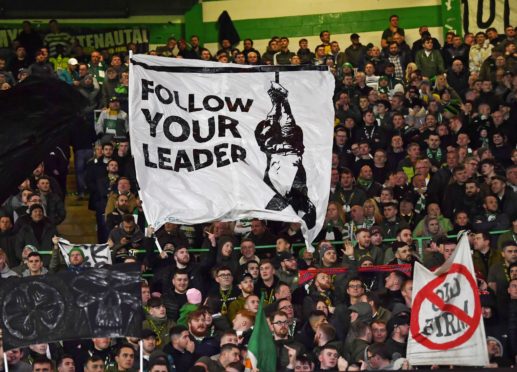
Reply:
x=35 y=206
x=31 y=247
x=325 y=247
x=76 y=249
x=194 y=296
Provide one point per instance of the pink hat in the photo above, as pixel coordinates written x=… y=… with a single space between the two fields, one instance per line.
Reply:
x=194 y=296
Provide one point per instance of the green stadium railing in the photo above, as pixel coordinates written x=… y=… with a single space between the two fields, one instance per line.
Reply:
x=419 y=239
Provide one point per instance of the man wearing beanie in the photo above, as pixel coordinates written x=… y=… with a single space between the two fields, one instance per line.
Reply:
x=156 y=321
x=37 y=232
x=76 y=258
x=328 y=255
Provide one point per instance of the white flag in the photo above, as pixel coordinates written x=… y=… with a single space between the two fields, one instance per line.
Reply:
x=446 y=321
x=225 y=142
x=95 y=255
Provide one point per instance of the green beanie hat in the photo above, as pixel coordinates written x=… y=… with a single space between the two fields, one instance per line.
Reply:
x=76 y=249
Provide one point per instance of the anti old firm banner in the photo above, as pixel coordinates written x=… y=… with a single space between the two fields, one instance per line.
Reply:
x=224 y=141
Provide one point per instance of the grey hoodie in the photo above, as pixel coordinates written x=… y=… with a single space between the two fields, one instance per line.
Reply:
x=6 y=272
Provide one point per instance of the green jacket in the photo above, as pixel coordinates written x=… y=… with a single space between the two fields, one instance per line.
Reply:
x=431 y=65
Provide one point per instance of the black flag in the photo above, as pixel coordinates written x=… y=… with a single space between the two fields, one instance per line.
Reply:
x=227 y=29
x=34 y=116
x=102 y=302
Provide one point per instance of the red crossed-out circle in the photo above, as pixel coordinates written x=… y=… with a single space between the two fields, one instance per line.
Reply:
x=427 y=292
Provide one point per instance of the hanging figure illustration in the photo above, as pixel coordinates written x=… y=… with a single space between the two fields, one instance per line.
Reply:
x=282 y=141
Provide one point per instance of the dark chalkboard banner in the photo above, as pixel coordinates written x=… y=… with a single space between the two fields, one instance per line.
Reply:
x=102 y=302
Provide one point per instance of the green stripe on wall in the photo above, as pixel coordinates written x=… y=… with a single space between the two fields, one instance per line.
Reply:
x=336 y=23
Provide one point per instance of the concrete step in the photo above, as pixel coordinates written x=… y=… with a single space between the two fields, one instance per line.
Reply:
x=79 y=225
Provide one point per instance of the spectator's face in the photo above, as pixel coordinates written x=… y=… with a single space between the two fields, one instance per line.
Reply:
x=323 y=281
x=346 y=180
x=355 y=289
x=510 y=254
x=404 y=254
x=329 y=257
x=146 y=294
x=76 y=258
x=462 y=219
x=5 y=224
x=433 y=210
x=197 y=326
x=287 y=307
x=328 y=358
x=41 y=367
x=433 y=226
x=37 y=215
x=340 y=137
x=379 y=332
x=107 y=151
x=34 y=264
x=366 y=173
x=248 y=249
x=252 y=58
x=325 y=37
x=128 y=227
x=428 y=45
x=97 y=366
x=247 y=285
x=302 y=367
x=390 y=212
x=252 y=303
x=363 y=239
x=257 y=227
x=280 y=326
x=116 y=61
x=266 y=271
x=253 y=270
x=205 y=55
x=396 y=141
x=480 y=39
x=491 y=204
x=158 y=311
x=512 y=288
x=448 y=250
x=332 y=212
x=224 y=278
x=125 y=358
x=180 y=282
x=67 y=365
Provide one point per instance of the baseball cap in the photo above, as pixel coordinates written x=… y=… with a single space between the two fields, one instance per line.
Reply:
x=285 y=256
x=146 y=333
x=73 y=61
x=397 y=321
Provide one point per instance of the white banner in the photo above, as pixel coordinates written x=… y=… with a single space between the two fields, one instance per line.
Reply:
x=480 y=15
x=226 y=142
x=95 y=255
x=446 y=321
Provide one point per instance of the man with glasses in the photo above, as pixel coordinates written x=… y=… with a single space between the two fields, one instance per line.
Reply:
x=287 y=307
x=225 y=293
x=280 y=326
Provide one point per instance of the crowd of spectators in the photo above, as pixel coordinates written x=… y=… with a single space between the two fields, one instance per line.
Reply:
x=423 y=149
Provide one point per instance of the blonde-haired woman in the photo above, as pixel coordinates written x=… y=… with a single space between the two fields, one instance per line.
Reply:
x=410 y=68
x=372 y=213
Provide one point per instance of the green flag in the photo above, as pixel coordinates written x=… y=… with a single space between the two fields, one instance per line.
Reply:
x=261 y=347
